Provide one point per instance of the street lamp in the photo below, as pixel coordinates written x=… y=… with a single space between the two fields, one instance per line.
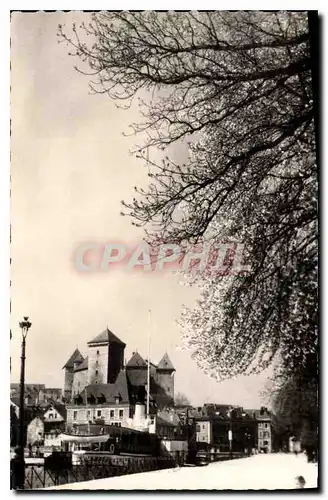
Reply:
x=25 y=325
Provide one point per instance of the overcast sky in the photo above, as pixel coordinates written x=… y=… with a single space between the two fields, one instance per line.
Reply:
x=70 y=168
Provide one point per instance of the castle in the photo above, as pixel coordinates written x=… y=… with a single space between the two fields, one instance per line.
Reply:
x=103 y=370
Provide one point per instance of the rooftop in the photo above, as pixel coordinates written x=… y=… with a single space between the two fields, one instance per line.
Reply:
x=82 y=366
x=137 y=377
x=165 y=363
x=14 y=386
x=59 y=407
x=259 y=414
x=109 y=392
x=75 y=357
x=136 y=361
x=106 y=337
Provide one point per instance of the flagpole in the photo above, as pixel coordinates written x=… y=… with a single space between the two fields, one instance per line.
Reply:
x=87 y=408
x=148 y=367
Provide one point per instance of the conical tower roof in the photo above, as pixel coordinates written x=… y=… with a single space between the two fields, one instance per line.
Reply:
x=165 y=363
x=82 y=366
x=136 y=361
x=76 y=357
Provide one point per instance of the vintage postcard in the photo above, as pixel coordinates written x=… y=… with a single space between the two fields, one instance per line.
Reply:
x=164 y=250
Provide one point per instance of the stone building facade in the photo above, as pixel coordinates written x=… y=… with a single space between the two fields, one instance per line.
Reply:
x=204 y=430
x=165 y=376
x=105 y=362
x=108 y=404
x=51 y=419
x=250 y=429
x=80 y=377
x=264 y=426
x=74 y=360
x=161 y=379
x=105 y=358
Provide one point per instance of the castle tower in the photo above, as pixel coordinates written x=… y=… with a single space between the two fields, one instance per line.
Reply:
x=75 y=359
x=106 y=358
x=136 y=370
x=165 y=376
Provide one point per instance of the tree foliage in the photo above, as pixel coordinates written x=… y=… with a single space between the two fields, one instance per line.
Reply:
x=294 y=403
x=181 y=399
x=236 y=87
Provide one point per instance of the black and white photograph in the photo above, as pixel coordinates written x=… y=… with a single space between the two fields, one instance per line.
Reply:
x=164 y=250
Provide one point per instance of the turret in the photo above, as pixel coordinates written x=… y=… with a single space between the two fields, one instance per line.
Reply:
x=165 y=376
x=136 y=370
x=75 y=358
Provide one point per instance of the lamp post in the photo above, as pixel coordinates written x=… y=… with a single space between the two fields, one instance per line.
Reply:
x=25 y=325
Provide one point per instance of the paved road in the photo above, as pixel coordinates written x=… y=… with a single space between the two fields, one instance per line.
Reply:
x=269 y=472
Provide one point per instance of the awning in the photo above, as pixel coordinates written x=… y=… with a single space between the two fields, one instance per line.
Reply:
x=69 y=438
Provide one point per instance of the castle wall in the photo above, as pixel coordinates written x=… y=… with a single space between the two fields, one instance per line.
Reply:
x=68 y=382
x=79 y=382
x=165 y=380
x=98 y=364
x=115 y=362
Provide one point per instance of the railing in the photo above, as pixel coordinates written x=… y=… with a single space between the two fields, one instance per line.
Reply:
x=211 y=456
x=38 y=476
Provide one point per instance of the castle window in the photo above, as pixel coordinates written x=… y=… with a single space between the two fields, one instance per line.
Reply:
x=97 y=353
x=198 y=428
x=261 y=434
x=74 y=414
x=111 y=413
x=121 y=413
x=96 y=372
x=266 y=426
x=98 y=413
x=97 y=362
